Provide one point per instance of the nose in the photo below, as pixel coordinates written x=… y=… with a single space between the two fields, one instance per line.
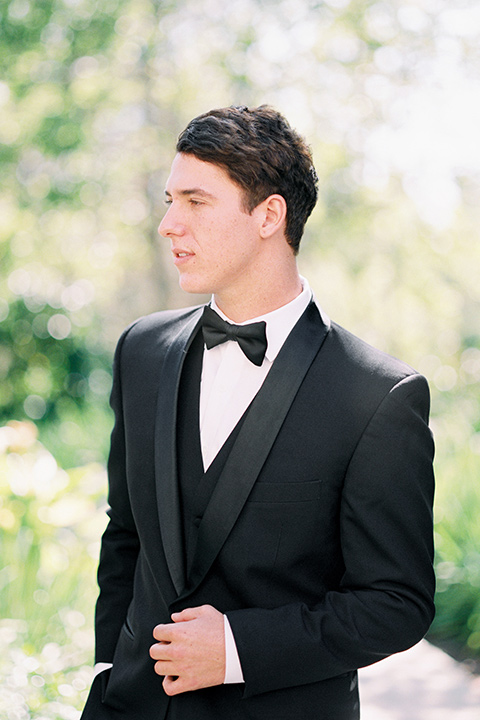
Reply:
x=163 y=228
x=170 y=224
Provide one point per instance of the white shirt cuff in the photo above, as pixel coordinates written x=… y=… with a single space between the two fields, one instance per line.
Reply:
x=233 y=668
x=100 y=667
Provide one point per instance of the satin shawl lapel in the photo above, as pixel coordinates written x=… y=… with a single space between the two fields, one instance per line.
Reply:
x=255 y=439
x=168 y=498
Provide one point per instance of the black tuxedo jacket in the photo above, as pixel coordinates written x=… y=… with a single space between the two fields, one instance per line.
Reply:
x=316 y=541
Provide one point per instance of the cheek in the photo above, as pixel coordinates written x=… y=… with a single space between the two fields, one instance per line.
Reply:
x=226 y=244
x=239 y=241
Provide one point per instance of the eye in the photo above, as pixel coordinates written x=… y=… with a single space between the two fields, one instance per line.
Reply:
x=167 y=201
x=195 y=202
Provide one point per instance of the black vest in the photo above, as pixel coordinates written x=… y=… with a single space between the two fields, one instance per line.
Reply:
x=195 y=485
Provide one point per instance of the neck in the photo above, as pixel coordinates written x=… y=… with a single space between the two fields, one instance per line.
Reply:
x=274 y=291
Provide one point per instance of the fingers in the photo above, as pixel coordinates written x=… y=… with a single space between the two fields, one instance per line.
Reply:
x=162 y=668
x=174 y=685
x=165 y=668
x=161 y=651
x=190 y=652
x=192 y=613
x=185 y=615
x=166 y=632
x=162 y=633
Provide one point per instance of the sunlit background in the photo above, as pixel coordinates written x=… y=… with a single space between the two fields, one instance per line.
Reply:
x=93 y=94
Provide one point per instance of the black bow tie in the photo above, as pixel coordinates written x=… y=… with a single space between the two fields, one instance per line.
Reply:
x=251 y=338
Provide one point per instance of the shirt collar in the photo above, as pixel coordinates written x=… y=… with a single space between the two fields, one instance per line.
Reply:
x=280 y=322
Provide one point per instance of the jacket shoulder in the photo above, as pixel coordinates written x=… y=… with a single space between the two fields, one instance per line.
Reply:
x=362 y=376
x=150 y=336
x=158 y=325
x=360 y=357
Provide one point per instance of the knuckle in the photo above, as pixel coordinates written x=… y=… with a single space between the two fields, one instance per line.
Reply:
x=173 y=653
x=158 y=651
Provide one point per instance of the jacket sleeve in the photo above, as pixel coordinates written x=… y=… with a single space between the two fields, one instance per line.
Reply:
x=384 y=603
x=120 y=544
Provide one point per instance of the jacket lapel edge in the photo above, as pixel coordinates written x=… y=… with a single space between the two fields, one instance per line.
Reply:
x=168 y=497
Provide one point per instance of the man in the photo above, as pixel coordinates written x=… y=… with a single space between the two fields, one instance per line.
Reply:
x=270 y=510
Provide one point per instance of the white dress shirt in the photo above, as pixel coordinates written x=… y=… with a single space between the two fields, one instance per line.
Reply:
x=230 y=381
x=229 y=384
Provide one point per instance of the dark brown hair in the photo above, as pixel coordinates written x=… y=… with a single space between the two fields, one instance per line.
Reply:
x=262 y=154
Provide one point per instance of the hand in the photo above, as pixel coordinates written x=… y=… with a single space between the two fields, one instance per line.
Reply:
x=190 y=652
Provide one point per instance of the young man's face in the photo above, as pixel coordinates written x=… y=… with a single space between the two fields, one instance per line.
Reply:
x=213 y=240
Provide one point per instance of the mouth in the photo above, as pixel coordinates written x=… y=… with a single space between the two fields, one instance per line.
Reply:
x=181 y=256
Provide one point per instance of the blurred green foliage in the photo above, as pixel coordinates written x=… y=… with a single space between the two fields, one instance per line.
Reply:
x=92 y=97
x=50 y=521
x=59 y=379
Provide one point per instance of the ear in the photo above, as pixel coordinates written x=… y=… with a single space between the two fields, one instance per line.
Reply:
x=274 y=215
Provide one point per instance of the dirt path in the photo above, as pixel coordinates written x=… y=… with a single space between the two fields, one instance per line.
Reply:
x=423 y=683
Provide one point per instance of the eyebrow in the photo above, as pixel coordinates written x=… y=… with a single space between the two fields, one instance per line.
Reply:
x=193 y=191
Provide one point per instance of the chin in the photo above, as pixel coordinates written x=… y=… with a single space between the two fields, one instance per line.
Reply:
x=189 y=285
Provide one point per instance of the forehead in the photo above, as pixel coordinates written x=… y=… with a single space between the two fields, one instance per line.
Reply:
x=188 y=173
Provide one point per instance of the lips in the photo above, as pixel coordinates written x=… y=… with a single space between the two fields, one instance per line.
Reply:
x=180 y=255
